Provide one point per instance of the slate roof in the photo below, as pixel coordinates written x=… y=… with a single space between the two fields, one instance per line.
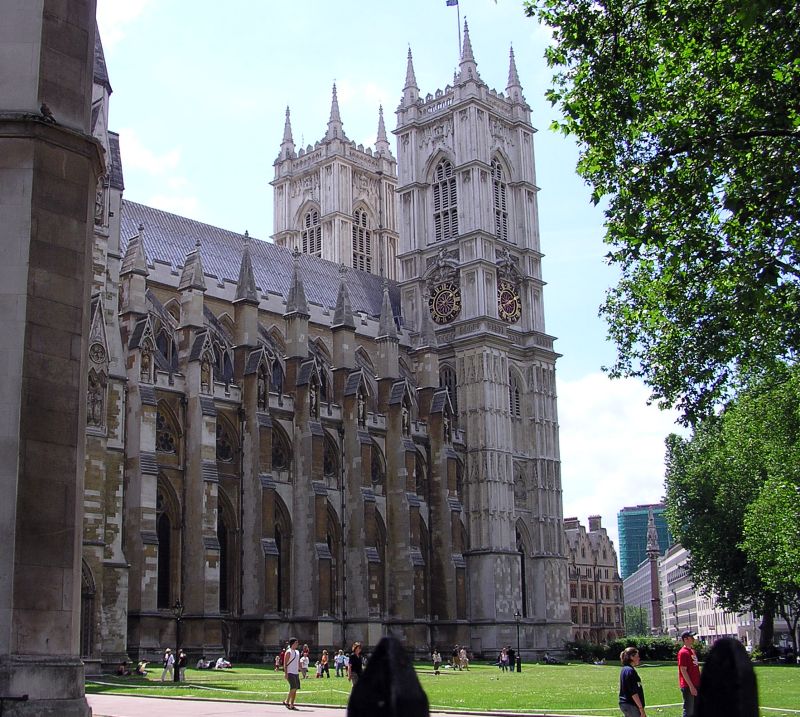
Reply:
x=100 y=69
x=168 y=238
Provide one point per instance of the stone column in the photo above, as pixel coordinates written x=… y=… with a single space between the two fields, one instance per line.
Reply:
x=49 y=167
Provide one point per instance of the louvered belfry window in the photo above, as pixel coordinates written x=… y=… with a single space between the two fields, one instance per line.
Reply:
x=312 y=234
x=445 y=202
x=362 y=242
x=499 y=187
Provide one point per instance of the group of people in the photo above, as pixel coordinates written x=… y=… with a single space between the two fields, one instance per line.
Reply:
x=170 y=664
x=507 y=658
x=728 y=687
x=219 y=664
x=295 y=663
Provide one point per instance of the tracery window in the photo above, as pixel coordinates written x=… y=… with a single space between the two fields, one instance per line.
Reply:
x=165 y=435
x=378 y=472
x=312 y=234
x=499 y=189
x=224 y=445
x=280 y=452
x=362 y=242
x=445 y=202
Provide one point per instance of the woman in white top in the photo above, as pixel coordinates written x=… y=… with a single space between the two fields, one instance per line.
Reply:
x=291 y=670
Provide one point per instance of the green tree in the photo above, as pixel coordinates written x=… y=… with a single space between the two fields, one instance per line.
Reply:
x=730 y=486
x=687 y=115
x=636 y=620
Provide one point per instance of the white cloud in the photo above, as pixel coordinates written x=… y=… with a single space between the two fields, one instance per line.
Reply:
x=186 y=206
x=135 y=155
x=612 y=447
x=113 y=16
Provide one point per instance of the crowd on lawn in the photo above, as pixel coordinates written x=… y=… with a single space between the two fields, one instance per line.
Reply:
x=727 y=689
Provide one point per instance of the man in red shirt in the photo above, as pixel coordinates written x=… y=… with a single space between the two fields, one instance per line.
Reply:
x=688 y=672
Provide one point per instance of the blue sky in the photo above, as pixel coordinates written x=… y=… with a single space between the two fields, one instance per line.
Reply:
x=200 y=92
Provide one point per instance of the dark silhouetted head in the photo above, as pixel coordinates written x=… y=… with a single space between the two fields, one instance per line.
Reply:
x=389 y=686
x=728 y=684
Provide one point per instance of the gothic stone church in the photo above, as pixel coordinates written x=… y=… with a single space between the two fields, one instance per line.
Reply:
x=348 y=431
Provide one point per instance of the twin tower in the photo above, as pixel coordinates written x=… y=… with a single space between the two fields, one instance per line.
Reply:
x=453 y=220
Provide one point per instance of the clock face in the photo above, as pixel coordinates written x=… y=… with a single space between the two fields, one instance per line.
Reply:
x=445 y=302
x=509 y=305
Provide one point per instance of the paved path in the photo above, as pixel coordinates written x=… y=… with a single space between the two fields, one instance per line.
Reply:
x=122 y=706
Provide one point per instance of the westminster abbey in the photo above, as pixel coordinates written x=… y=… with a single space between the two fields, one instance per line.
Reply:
x=346 y=431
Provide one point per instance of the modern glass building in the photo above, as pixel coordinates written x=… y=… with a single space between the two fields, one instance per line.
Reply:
x=632 y=525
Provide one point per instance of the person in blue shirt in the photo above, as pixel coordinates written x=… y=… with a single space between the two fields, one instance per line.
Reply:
x=631 y=693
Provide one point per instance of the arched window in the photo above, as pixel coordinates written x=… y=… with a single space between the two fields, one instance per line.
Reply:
x=222 y=537
x=499 y=189
x=447 y=379
x=362 y=242
x=445 y=202
x=224 y=444
x=330 y=463
x=312 y=234
x=522 y=575
x=166 y=438
x=514 y=403
x=378 y=470
x=281 y=456
x=87 y=610
x=276 y=382
x=164 y=531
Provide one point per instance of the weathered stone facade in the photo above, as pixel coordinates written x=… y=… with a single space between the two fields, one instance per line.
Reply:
x=349 y=431
x=595 y=588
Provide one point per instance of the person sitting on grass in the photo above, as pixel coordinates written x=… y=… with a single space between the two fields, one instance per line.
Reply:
x=222 y=664
x=122 y=670
x=141 y=668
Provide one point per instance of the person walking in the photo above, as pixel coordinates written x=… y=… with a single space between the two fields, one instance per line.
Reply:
x=183 y=660
x=326 y=668
x=291 y=670
x=169 y=664
x=355 y=665
x=688 y=672
x=338 y=663
x=437 y=661
x=631 y=692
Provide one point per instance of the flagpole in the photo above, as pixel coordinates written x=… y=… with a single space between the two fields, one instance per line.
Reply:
x=458 y=20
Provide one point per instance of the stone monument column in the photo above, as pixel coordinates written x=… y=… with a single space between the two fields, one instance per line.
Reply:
x=49 y=167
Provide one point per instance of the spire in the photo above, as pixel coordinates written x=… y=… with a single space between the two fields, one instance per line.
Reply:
x=246 y=286
x=514 y=88
x=192 y=276
x=382 y=145
x=287 y=145
x=335 y=129
x=427 y=331
x=652 y=536
x=135 y=260
x=343 y=315
x=410 y=90
x=296 y=300
x=386 y=327
x=468 y=68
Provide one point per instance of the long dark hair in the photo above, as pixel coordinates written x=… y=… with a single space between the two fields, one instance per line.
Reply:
x=728 y=687
x=627 y=655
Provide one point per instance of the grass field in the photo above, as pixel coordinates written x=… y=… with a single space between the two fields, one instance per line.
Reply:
x=575 y=689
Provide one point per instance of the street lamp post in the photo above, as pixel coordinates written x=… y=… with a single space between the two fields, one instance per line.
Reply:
x=518 y=617
x=177 y=611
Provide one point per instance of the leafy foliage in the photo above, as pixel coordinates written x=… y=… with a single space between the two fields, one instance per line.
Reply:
x=687 y=113
x=733 y=496
x=636 y=620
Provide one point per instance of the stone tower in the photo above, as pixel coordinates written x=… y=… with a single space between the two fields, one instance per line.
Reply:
x=50 y=165
x=653 y=553
x=470 y=260
x=335 y=200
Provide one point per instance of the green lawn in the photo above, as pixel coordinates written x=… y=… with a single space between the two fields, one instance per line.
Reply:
x=576 y=689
